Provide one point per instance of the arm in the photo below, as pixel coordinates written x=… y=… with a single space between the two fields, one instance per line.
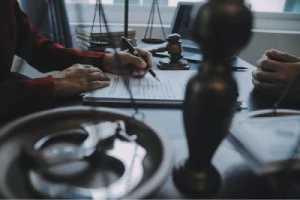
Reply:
x=24 y=96
x=45 y=55
x=19 y=97
x=30 y=95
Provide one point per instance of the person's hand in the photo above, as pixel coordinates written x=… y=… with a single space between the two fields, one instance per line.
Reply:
x=78 y=79
x=275 y=71
x=130 y=64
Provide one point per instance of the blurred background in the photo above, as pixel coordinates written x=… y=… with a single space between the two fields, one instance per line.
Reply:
x=276 y=22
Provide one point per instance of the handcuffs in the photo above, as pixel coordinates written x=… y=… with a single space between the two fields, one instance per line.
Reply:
x=109 y=138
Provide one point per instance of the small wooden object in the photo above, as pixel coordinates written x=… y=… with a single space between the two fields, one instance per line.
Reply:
x=175 y=61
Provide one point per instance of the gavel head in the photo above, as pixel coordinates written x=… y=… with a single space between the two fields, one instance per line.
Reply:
x=174 y=47
x=221 y=28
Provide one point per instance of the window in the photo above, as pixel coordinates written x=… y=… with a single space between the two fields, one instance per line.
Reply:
x=269 y=14
x=172 y=3
x=136 y=2
x=257 y=5
x=275 y=5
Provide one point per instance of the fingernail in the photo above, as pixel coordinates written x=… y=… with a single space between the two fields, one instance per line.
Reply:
x=143 y=64
x=135 y=73
x=141 y=72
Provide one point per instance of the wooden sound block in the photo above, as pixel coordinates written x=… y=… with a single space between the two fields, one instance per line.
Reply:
x=166 y=64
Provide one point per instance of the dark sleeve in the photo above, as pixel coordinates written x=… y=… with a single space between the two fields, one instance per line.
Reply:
x=45 y=55
x=22 y=96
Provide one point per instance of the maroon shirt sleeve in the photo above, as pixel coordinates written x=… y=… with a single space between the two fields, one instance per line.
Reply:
x=45 y=55
x=25 y=96
x=22 y=96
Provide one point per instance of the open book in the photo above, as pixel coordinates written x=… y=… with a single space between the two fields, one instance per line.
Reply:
x=267 y=143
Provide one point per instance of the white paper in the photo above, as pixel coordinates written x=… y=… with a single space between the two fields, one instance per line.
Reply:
x=171 y=86
x=269 y=139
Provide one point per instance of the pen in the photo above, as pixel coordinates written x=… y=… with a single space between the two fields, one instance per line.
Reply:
x=134 y=52
x=235 y=68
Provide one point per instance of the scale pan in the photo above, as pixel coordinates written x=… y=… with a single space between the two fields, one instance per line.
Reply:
x=153 y=41
x=157 y=162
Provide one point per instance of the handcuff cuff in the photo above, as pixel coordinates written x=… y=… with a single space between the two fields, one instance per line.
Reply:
x=108 y=138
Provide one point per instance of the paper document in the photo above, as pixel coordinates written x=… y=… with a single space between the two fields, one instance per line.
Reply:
x=171 y=88
x=268 y=139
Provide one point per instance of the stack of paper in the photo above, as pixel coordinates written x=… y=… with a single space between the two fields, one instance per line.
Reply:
x=98 y=39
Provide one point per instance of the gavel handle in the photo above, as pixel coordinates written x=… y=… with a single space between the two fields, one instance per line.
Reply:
x=153 y=49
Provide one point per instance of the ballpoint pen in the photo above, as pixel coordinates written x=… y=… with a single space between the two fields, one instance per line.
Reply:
x=134 y=52
x=236 y=68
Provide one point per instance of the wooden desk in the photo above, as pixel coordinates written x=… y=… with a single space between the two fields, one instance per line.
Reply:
x=238 y=180
x=228 y=161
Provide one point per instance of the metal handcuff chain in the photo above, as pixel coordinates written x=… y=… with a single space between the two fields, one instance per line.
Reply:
x=101 y=136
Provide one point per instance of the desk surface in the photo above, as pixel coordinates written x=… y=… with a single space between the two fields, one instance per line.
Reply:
x=231 y=165
x=236 y=175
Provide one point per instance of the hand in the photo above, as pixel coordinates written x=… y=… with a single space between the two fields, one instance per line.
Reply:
x=130 y=64
x=78 y=79
x=275 y=71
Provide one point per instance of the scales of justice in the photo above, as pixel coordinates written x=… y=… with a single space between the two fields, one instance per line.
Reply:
x=100 y=153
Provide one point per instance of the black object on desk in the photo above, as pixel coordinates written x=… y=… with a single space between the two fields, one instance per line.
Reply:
x=238 y=68
x=211 y=94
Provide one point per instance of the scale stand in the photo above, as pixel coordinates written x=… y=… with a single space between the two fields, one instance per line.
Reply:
x=150 y=40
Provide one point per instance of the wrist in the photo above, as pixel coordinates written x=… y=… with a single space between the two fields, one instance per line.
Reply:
x=107 y=57
x=58 y=85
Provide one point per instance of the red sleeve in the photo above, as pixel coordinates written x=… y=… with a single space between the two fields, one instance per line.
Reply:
x=45 y=55
x=24 y=96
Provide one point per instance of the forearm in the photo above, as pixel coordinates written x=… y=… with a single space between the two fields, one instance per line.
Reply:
x=50 y=56
x=18 y=97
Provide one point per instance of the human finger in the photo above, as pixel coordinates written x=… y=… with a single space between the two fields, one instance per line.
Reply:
x=87 y=66
x=98 y=76
x=139 y=73
x=98 y=84
x=269 y=65
x=147 y=55
x=269 y=88
x=92 y=70
x=265 y=76
x=138 y=62
x=281 y=56
x=83 y=66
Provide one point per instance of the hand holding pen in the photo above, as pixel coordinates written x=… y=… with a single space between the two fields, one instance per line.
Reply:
x=123 y=62
x=134 y=52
